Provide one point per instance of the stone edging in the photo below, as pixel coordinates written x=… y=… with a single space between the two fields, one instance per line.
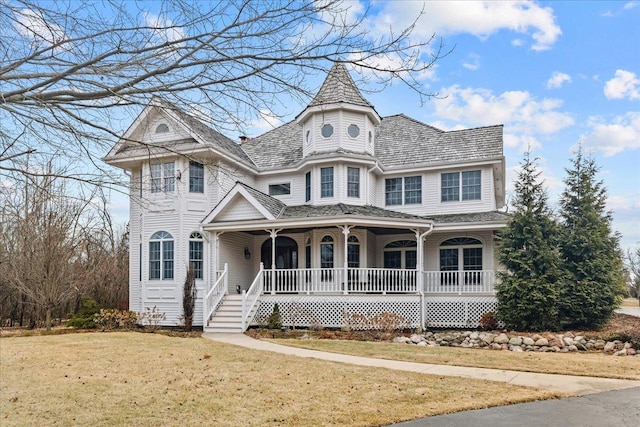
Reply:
x=561 y=343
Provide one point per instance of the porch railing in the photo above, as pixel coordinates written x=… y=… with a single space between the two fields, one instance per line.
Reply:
x=376 y=280
x=214 y=295
x=250 y=297
x=459 y=282
x=339 y=280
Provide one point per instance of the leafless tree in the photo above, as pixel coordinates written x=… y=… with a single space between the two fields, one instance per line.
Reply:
x=633 y=264
x=57 y=248
x=73 y=74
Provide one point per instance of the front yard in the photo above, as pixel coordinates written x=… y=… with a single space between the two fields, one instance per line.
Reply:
x=130 y=378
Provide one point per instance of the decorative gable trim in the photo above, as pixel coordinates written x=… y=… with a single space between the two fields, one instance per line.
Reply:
x=239 y=190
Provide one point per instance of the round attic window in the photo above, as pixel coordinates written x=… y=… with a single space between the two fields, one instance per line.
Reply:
x=162 y=128
x=353 y=131
x=327 y=130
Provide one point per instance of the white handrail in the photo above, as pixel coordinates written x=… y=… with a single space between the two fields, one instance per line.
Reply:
x=459 y=282
x=214 y=296
x=250 y=297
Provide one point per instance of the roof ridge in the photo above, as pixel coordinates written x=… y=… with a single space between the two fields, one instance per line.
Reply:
x=414 y=120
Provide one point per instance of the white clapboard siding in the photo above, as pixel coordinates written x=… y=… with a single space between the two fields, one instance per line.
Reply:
x=433 y=241
x=241 y=270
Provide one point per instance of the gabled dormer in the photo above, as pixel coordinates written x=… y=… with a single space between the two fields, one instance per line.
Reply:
x=339 y=118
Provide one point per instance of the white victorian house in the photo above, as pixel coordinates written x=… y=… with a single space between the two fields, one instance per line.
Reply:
x=341 y=217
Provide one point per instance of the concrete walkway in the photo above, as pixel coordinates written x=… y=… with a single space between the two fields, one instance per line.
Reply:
x=576 y=385
x=632 y=311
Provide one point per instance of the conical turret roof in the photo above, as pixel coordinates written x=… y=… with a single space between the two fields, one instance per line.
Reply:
x=339 y=87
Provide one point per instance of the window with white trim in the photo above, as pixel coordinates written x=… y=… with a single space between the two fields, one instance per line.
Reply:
x=353 y=252
x=456 y=186
x=307 y=187
x=196 y=177
x=162 y=177
x=353 y=182
x=410 y=186
x=401 y=254
x=161 y=256
x=326 y=252
x=326 y=182
x=196 y=254
x=461 y=254
x=279 y=189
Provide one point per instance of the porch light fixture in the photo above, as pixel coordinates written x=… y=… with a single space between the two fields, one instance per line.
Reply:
x=247 y=253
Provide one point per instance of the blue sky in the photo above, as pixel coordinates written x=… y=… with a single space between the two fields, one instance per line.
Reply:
x=554 y=73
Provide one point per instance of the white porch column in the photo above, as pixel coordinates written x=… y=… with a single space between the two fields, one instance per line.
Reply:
x=273 y=233
x=216 y=254
x=420 y=237
x=346 y=229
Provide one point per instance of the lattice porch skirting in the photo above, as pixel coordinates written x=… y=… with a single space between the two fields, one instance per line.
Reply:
x=375 y=311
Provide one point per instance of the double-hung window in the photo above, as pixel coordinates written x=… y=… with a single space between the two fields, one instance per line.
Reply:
x=410 y=186
x=196 y=254
x=393 y=191
x=412 y=190
x=196 y=177
x=162 y=177
x=456 y=186
x=353 y=182
x=326 y=182
x=161 y=256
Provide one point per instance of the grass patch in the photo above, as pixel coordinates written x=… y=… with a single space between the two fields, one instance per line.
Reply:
x=120 y=378
x=630 y=302
x=583 y=364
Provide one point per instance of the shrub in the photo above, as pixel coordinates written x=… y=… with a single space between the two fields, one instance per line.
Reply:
x=488 y=321
x=275 y=319
x=151 y=318
x=109 y=319
x=84 y=318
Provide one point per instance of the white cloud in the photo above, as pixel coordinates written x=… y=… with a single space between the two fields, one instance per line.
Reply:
x=623 y=134
x=479 y=18
x=267 y=121
x=31 y=24
x=558 y=79
x=519 y=110
x=625 y=84
x=472 y=62
x=551 y=183
x=631 y=5
x=164 y=31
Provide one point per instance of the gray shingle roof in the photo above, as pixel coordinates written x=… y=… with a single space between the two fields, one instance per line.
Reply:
x=402 y=141
x=273 y=205
x=308 y=211
x=339 y=87
x=490 y=216
x=279 y=147
x=210 y=136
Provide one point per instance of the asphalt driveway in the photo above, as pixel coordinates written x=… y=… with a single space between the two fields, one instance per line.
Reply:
x=620 y=408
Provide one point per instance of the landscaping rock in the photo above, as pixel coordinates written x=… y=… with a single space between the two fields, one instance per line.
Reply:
x=515 y=341
x=501 y=339
x=528 y=341
x=542 y=342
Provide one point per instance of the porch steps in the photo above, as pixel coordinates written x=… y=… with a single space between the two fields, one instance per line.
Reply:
x=228 y=318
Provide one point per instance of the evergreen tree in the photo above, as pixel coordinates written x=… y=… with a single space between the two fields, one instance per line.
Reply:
x=528 y=292
x=591 y=252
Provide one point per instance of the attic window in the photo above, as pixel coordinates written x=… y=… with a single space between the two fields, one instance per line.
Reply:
x=327 y=131
x=162 y=128
x=308 y=138
x=370 y=138
x=353 y=131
